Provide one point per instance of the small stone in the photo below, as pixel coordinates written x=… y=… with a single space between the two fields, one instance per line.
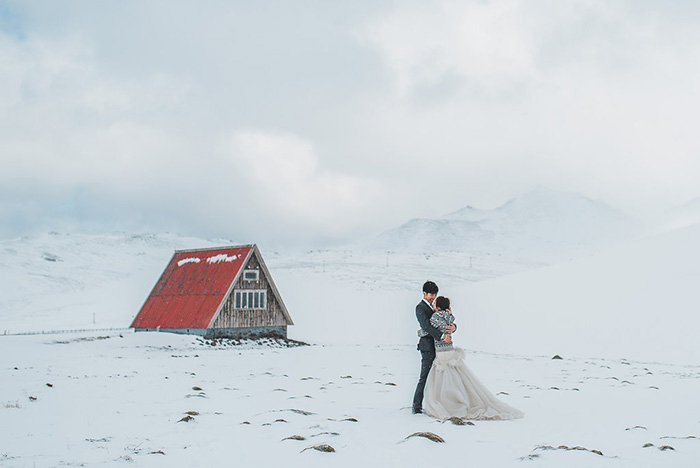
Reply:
x=556 y=356
x=663 y=448
x=295 y=437
x=186 y=419
x=648 y=444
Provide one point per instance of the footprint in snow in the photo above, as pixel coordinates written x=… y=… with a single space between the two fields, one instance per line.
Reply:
x=325 y=433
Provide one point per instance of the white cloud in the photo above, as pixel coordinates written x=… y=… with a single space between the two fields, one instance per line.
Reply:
x=283 y=172
x=587 y=95
x=422 y=42
x=437 y=105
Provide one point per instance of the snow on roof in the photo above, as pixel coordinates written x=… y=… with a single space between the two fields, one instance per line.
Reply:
x=188 y=260
x=222 y=258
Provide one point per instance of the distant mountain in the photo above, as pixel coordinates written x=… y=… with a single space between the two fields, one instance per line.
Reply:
x=542 y=224
x=426 y=235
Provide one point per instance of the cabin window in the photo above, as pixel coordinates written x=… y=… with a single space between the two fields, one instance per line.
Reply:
x=251 y=275
x=251 y=299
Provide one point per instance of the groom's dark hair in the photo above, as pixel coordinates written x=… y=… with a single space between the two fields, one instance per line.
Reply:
x=430 y=287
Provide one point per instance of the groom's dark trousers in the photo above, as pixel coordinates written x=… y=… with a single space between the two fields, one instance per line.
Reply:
x=426 y=346
x=426 y=362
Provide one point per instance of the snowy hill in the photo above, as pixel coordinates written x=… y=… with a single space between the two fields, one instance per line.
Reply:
x=636 y=301
x=542 y=225
x=682 y=216
x=433 y=235
x=76 y=281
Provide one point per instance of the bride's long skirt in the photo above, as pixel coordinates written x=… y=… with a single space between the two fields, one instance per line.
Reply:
x=452 y=390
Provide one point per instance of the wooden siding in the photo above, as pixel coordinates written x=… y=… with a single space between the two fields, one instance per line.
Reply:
x=230 y=317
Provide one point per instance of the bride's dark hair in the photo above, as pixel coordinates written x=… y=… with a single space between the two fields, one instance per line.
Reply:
x=442 y=303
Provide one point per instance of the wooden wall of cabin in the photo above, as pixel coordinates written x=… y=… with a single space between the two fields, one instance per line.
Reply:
x=230 y=317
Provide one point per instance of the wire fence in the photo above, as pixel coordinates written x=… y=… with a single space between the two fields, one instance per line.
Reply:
x=54 y=332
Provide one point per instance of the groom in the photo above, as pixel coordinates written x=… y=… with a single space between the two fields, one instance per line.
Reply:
x=426 y=344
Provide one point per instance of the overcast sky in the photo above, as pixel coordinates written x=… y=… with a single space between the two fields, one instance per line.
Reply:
x=312 y=121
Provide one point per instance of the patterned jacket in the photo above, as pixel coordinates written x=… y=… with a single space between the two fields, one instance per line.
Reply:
x=440 y=320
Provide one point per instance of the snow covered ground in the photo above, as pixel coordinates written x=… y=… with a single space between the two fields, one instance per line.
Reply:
x=111 y=400
x=624 y=319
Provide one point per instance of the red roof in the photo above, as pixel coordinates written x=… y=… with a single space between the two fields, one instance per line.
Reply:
x=191 y=289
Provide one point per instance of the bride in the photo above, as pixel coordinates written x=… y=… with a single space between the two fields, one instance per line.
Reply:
x=452 y=390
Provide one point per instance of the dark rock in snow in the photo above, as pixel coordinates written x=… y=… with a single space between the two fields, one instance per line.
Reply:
x=427 y=435
x=321 y=448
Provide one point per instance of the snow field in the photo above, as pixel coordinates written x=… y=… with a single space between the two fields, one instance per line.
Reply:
x=117 y=401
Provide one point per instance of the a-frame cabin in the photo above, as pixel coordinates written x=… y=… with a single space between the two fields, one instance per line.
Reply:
x=217 y=292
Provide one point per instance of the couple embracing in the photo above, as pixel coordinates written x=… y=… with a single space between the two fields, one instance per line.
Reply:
x=446 y=387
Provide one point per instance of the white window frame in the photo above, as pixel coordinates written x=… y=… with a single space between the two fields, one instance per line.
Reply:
x=257 y=275
x=250 y=299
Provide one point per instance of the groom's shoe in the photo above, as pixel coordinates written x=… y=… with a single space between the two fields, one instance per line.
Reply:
x=417 y=411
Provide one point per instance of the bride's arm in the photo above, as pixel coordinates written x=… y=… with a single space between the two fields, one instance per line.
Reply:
x=439 y=322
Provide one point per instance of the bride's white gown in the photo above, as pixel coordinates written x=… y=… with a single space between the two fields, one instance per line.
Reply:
x=452 y=390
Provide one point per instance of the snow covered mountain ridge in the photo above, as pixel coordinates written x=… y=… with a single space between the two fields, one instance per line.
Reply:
x=542 y=225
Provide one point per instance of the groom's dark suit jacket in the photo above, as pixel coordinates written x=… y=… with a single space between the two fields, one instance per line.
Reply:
x=423 y=314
